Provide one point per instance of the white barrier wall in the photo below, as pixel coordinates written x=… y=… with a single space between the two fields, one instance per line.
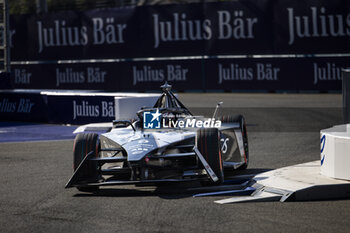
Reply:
x=127 y=107
x=335 y=152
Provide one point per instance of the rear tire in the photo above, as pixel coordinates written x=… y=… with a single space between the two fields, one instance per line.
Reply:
x=242 y=125
x=208 y=143
x=84 y=143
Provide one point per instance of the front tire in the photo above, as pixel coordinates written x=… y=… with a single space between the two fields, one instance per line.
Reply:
x=242 y=125
x=208 y=143
x=84 y=143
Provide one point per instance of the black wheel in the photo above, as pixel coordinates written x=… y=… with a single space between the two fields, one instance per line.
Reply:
x=83 y=144
x=240 y=119
x=208 y=143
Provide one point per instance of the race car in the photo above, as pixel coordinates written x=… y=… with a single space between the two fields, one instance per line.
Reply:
x=165 y=143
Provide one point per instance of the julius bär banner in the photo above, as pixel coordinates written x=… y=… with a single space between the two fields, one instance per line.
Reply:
x=312 y=73
x=26 y=106
x=221 y=28
x=113 y=76
x=276 y=74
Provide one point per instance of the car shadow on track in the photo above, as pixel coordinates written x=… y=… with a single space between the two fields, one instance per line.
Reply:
x=173 y=191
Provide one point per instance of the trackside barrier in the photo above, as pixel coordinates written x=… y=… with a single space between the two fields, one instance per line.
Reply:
x=23 y=106
x=69 y=107
x=301 y=182
x=335 y=147
x=346 y=95
x=210 y=46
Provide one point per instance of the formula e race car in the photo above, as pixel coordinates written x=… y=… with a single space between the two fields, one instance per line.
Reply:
x=166 y=143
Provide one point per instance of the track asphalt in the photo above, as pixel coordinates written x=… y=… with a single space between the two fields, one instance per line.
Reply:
x=283 y=130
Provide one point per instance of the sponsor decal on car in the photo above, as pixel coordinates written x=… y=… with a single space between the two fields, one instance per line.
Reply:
x=323 y=143
x=224 y=144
